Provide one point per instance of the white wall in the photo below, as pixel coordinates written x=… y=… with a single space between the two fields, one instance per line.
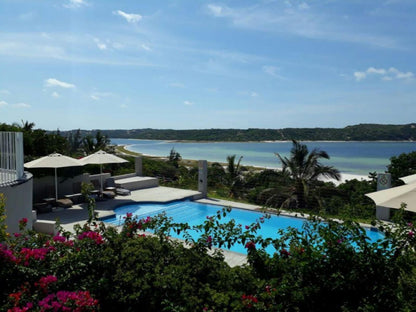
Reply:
x=18 y=203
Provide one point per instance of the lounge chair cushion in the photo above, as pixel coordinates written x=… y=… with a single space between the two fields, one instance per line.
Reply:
x=64 y=202
x=122 y=191
x=109 y=194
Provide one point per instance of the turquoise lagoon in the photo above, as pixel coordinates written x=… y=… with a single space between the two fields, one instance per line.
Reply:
x=358 y=158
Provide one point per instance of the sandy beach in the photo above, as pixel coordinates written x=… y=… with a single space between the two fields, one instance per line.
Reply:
x=344 y=176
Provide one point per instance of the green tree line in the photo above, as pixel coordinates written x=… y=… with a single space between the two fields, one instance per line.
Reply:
x=361 y=132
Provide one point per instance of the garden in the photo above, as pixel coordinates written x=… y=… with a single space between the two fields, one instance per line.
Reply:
x=326 y=266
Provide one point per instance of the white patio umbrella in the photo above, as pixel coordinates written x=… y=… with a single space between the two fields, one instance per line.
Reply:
x=100 y=158
x=55 y=161
x=409 y=179
x=395 y=196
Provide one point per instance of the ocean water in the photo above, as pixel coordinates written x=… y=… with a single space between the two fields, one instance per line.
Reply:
x=358 y=158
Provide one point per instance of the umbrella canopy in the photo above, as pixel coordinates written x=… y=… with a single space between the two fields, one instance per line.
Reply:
x=54 y=161
x=100 y=158
x=395 y=196
x=409 y=179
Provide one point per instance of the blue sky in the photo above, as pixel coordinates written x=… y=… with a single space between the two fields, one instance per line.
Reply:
x=98 y=64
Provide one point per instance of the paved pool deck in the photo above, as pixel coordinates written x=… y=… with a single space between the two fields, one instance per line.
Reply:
x=78 y=214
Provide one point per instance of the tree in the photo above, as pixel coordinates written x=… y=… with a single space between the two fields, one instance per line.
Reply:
x=92 y=144
x=401 y=166
x=174 y=157
x=74 y=141
x=305 y=168
x=234 y=178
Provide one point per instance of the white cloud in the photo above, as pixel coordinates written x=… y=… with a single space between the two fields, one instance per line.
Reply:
x=272 y=71
x=146 y=47
x=298 y=20
x=215 y=10
x=74 y=4
x=380 y=71
x=253 y=94
x=359 y=75
x=123 y=106
x=55 y=94
x=303 y=6
x=3 y=103
x=100 y=45
x=386 y=74
x=188 y=103
x=96 y=96
x=52 y=82
x=129 y=17
x=4 y=91
x=21 y=105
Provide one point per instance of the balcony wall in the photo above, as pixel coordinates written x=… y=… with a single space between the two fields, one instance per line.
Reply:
x=18 y=202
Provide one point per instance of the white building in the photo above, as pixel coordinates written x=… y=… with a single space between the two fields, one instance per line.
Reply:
x=15 y=183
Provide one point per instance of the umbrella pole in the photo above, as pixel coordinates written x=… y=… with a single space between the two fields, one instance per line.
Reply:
x=56 y=185
x=101 y=178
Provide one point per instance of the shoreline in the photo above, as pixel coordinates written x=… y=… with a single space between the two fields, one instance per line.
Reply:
x=269 y=141
x=344 y=176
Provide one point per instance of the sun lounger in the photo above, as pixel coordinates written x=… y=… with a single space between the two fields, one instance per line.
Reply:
x=64 y=202
x=111 y=186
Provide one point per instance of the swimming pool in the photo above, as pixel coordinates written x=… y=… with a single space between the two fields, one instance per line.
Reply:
x=195 y=213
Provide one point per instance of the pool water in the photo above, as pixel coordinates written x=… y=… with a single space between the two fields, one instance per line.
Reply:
x=195 y=213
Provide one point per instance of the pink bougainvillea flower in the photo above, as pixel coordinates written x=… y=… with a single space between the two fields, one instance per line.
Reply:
x=93 y=236
x=250 y=245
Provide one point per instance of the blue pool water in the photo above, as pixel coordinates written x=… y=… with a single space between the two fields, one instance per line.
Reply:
x=195 y=213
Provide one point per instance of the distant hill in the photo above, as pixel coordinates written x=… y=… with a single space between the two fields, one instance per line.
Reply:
x=361 y=132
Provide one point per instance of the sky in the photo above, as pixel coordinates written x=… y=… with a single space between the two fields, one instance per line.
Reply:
x=100 y=64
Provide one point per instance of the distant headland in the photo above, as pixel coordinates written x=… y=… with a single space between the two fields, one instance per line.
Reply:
x=360 y=132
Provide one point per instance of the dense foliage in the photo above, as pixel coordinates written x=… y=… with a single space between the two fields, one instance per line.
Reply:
x=361 y=132
x=38 y=142
x=401 y=166
x=324 y=267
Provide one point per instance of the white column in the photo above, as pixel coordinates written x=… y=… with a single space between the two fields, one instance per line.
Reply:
x=203 y=177
x=383 y=182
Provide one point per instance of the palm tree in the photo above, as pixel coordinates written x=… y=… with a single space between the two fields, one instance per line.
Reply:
x=27 y=126
x=233 y=174
x=305 y=168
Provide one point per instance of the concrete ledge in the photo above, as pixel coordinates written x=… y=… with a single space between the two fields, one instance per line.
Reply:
x=45 y=226
x=136 y=183
x=124 y=176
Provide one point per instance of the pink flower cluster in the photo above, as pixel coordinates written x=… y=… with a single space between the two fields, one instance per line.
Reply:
x=61 y=239
x=26 y=254
x=250 y=245
x=45 y=281
x=61 y=301
x=284 y=253
x=77 y=301
x=209 y=241
x=23 y=222
x=6 y=253
x=249 y=300
x=93 y=236
x=133 y=225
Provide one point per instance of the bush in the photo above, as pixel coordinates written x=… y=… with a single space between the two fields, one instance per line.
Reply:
x=326 y=266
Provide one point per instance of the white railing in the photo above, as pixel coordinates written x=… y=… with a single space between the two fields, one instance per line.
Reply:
x=11 y=157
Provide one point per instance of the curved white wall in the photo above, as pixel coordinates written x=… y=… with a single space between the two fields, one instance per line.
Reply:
x=18 y=203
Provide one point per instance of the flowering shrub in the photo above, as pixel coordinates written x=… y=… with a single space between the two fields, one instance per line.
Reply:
x=326 y=266
x=39 y=298
x=94 y=236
